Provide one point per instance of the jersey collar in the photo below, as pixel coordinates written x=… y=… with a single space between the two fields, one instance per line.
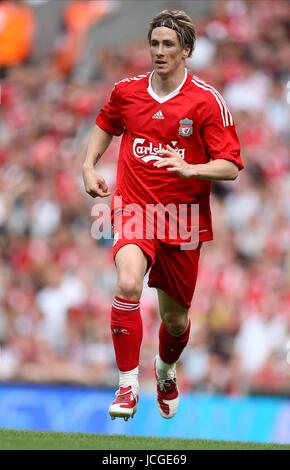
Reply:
x=170 y=95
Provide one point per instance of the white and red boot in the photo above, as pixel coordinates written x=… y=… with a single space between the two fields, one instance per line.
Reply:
x=167 y=392
x=125 y=403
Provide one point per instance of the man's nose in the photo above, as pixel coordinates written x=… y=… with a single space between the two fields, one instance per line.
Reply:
x=160 y=50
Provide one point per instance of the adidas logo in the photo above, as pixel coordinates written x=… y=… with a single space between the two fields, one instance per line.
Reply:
x=158 y=115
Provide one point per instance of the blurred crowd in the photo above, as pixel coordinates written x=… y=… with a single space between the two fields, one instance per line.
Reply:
x=57 y=281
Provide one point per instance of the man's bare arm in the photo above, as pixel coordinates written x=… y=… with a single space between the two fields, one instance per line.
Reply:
x=215 y=170
x=95 y=184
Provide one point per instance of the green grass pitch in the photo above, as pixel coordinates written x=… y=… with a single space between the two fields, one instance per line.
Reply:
x=35 y=440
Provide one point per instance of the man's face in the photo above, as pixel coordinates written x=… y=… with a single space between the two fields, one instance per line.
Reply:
x=166 y=53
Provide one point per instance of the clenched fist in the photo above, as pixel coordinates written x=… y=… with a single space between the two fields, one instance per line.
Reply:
x=94 y=183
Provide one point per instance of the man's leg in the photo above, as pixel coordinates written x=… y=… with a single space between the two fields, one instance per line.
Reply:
x=174 y=275
x=173 y=337
x=174 y=329
x=126 y=327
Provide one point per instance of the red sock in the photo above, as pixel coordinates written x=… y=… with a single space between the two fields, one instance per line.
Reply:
x=171 y=347
x=127 y=332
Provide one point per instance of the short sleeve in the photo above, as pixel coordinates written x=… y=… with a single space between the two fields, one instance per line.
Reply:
x=218 y=131
x=109 y=118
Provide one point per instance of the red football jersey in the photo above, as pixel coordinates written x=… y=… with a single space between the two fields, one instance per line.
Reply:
x=193 y=119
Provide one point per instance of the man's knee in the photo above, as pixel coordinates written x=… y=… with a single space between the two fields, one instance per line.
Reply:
x=174 y=323
x=129 y=286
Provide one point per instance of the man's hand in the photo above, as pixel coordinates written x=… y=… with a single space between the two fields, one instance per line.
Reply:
x=95 y=184
x=174 y=163
x=219 y=169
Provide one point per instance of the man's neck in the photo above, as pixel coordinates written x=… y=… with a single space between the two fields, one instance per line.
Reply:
x=163 y=86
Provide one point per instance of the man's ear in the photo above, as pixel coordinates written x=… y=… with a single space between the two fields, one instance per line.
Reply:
x=185 y=53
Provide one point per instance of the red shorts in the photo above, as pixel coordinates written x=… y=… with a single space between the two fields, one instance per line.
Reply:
x=171 y=269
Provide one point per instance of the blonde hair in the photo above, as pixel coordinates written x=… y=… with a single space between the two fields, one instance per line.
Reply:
x=180 y=22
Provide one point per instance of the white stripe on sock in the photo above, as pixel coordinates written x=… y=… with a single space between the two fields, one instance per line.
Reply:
x=119 y=305
x=124 y=308
x=120 y=302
